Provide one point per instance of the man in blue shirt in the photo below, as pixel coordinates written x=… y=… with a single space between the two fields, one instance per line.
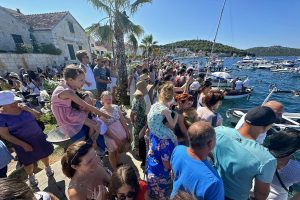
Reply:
x=192 y=171
x=100 y=73
x=240 y=160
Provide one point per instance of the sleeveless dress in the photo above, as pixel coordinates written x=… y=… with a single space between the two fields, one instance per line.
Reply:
x=115 y=127
x=25 y=127
x=162 y=142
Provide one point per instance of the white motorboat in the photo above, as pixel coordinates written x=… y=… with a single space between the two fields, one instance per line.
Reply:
x=264 y=66
x=288 y=63
x=289 y=120
x=282 y=69
x=246 y=61
x=258 y=61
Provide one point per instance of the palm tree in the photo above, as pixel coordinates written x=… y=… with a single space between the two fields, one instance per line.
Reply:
x=113 y=28
x=148 y=45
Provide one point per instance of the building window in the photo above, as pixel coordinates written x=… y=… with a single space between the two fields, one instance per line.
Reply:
x=102 y=52
x=17 y=39
x=98 y=52
x=80 y=47
x=71 y=52
x=92 y=45
x=71 y=27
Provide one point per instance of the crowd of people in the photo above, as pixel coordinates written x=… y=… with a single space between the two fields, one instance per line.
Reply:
x=177 y=134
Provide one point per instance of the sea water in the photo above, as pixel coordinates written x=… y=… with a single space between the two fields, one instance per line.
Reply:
x=260 y=79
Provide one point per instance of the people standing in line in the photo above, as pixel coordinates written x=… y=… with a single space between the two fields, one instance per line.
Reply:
x=192 y=171
x=5 y=159
x=90 y=83
x=101 y=74
x=212 y=100
x=18 y=126
x=117 y=126
x=239 y=159
x=162 y=141
x=81 y=164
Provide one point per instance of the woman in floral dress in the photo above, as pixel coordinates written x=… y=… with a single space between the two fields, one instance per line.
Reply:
x=162 y=141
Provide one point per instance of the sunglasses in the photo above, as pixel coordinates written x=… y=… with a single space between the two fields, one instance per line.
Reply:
x=121 y=196
x=81 y=152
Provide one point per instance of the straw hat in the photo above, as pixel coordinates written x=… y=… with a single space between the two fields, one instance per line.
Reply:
x=141 y=88
x=144 y=77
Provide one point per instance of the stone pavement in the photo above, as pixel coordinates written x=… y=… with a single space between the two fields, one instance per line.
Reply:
x=58 y=184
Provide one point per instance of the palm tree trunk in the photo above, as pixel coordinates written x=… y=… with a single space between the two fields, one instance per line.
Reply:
x=121 y=66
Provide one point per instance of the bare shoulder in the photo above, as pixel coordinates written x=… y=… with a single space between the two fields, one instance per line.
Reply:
x=76 y=193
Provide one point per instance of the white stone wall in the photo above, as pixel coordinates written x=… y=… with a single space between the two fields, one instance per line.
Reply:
x=62 y=37
x=45 y=37
x=10 y=25
x=10 y=62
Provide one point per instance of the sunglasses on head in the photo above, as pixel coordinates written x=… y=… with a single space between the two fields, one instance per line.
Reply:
x=81 y=152
x=121 y=196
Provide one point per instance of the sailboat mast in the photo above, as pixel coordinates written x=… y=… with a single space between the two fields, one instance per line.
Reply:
x=214 y=41
x=215 y=38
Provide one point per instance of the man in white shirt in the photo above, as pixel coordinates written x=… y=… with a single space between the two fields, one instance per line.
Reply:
x=282 y=145
x=90 y=82
x=238 y=85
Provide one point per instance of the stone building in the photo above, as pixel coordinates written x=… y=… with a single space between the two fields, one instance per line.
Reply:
x=60 y=29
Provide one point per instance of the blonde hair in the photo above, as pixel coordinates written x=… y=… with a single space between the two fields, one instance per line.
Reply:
x=103 y=94
x=166 y=92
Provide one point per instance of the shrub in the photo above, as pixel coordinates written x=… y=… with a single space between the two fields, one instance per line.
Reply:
x=50 y=49
x=23 y=48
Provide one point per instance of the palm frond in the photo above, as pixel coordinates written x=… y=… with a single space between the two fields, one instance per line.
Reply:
x=91 y=29
x=133 y=41
x=101 y=5
x=103 y=33
x=135 y=5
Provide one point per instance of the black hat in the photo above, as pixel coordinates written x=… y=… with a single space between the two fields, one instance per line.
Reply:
x=260 y=116
x=206 y=84
x=283 y=143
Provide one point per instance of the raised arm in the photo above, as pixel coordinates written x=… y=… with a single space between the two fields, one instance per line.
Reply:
x=172 y=122
x=68 y=94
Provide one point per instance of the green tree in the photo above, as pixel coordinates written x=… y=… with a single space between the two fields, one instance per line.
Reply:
x=148 y=45
x=114 y=27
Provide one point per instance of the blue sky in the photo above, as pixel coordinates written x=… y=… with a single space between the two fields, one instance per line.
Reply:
x=245 y=24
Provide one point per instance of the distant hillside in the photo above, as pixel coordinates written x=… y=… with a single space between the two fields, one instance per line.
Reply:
x=274 y=51
x=204 y=45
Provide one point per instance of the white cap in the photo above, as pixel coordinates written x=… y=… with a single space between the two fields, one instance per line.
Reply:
x=8 y=97
x=195 y=86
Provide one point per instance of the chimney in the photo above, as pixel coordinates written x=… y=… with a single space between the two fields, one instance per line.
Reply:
x=18 y=10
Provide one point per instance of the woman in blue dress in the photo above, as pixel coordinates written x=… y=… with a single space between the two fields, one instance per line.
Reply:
x=162 y=141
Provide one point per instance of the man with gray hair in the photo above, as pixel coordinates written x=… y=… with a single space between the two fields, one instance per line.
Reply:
x=192 y=171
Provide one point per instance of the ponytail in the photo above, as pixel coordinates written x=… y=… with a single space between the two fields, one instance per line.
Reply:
x=66 y=167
